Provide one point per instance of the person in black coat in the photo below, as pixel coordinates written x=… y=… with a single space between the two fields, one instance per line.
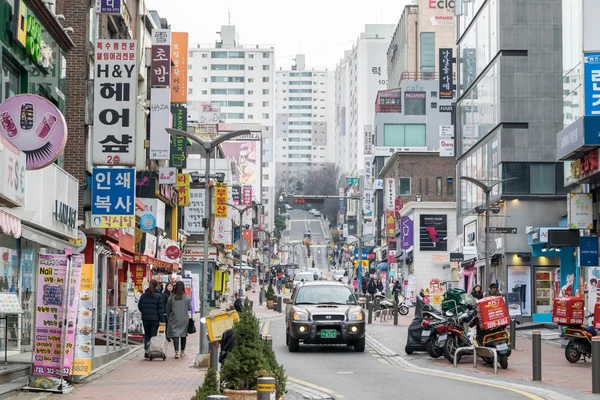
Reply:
x=372 y=288
x=152 y=307
x=166 y=294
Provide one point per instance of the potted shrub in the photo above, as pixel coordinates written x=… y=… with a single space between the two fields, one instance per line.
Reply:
x=270 y=295
x=248 y=361
x=209 y=387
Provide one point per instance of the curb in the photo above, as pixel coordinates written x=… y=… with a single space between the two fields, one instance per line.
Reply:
x=398 y=360
x=307 y=393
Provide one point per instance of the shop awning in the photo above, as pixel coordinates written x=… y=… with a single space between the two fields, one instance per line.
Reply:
x=115 y=248
x=10 y=224
x=139 y=205
x=144 y=259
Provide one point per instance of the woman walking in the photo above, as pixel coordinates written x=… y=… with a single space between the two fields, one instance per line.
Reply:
x=152 y=307
x=178 y=306
x=168 y=292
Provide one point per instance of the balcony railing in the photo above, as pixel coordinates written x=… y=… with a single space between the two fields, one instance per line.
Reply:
x=418 y=76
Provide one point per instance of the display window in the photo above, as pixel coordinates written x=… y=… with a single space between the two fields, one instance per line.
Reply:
x=547 y=282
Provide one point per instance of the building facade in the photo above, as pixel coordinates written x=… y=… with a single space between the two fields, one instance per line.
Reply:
x=240 y=80
x=305 y=133
x=510 y=100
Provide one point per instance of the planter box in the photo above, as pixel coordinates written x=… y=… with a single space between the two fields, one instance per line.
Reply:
x=241 y=394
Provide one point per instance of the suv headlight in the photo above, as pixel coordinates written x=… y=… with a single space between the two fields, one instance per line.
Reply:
x=300 y=316
x=357 y=316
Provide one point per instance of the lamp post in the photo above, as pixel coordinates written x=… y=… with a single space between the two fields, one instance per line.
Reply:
x=487 y=189
x=206 y=150
x=242 y=211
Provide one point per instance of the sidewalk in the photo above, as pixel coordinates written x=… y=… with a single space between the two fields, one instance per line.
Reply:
x=556 y=370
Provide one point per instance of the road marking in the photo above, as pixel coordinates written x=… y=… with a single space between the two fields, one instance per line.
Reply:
x=265 y=329
x=383 y=361
x=519 y=391
x=315 y=387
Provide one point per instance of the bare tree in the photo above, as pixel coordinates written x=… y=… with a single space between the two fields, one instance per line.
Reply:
x=325 y=181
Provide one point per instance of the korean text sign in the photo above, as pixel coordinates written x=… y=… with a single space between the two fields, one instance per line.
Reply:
x=161 y=57
x=115 y=95
x=113 y=198
x=160 y=118
x=195 y=212
x=591 y=76
x=445 y=73
x=220 y=200
x=178 y=154
x=82 y=364
x=179 y=72
x=53 y=294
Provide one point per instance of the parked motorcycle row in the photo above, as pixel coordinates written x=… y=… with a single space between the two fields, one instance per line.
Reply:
x=442 y=333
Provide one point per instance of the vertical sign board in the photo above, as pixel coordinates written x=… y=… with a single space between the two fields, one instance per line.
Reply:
x=195 y=212
x=182 y=185
x=247 y=195
x=113 y=198
x=109 y=7
x=591 y=80
x=342 y=201
x=161 y=58
x=160 y=116
x=220 y=199
x=115 y=100
x=389 y=194
x=445 y=74
x=179 y=72
x=82 y=363
x=178 y=153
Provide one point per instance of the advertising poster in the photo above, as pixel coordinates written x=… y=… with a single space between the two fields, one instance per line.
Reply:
x=433 y=232
x=82 y=364
x=593 y=292
x=248 y=159
x=194 y=212
x=54 y=293
x=519 y=281
x=406 y=233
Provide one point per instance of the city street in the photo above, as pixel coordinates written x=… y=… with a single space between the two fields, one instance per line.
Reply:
x=301 y=222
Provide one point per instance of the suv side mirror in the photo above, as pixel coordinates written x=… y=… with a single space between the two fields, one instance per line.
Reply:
x=287 y=300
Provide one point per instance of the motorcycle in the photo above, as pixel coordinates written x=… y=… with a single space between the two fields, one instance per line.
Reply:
x=386 y=304
x=419 y=330
x=438 y=336
x=580 y=342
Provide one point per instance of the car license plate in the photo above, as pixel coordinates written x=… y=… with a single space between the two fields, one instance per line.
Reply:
x=425 y=333
x=502 y=346
x=328 y=334
x=442 y=338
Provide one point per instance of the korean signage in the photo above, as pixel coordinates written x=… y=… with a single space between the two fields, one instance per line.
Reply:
x=113 y=198
x=398 y=206
x=220 y=200
x=115 y=100
x=111 y=7
x=247 y=195
x=446 y=148
x=390 y=223
x=195 y=212
x=406 y=233
x=352 y=225
x=183 y=187
x=154 y=208
x=160 y=117
x=342 y=203
x=580 y=137
x=591 y=80
x=236 y=194
x=585 y=165
x=388 y=151
x=161 y=58
x=178 y=153
x=209 y=113
x=82 y=363
x=445 y=74
x=433 y=233
x=469 y=67
x=588 y=251
x=446 y=131
x=12 y=174
x=167 y=176
x=179 y=73
x=223 y=230
x=389 y=194
x=368 y=203
x=57 y=300
x=581 y=211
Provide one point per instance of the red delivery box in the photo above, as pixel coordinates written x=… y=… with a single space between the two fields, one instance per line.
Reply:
x=597 y=316
x=568 y=311
x=492 y=313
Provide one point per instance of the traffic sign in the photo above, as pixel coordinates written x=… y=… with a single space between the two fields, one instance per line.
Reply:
x=352 y=181
x=308 y=200
x=502 y=230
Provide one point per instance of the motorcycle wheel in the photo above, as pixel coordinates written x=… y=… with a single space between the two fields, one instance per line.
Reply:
x=403 y=310
x=503 y=360
x=433 y=350
x=571 y=353
x=450 y=348
x=408 y=350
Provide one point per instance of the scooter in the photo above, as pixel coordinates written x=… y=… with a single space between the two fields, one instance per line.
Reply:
x=459 y=336
x=580 y=342
x=419 y=330
x=386 y=304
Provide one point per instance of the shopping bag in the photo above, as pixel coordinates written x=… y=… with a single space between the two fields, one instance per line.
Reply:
x=191 y=326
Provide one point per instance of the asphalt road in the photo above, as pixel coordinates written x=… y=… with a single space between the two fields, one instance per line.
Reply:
x=302 y=221
x=347 y=375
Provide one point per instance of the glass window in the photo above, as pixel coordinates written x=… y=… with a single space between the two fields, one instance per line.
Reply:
x=190 y=78
x=560 y=179
x=296 y=74
x=236 y=67
x=236 y=54
x=265 y=79
x=235 y=115
x=450 y=186
x=414 y=103
x=190 y=91
x=427 y=51
x=543 y=178
x=218 y=54
x=300 y=91
x=235 y=104
x=520 y=171
x=438 y=186
x=265 y=91
x=266 y=55
x=403 y=186
x=204 y=55
x=235 y=91
x=300 y=107
x=265 y=116
x=218 y=67
x=266 y=67
x=404 y=135
x=265 y=104
x=12 y=80
x=300 y=98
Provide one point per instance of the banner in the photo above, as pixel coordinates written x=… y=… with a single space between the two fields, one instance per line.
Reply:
x=178 y=153
x=179 y=72
x=220 y=199
x=160 y=116
x=161 y=58
x=247 y=155
x=433 y=232
x=57 y=297
x=82 y=364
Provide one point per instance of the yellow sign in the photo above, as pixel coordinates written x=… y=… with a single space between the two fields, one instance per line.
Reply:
x=216 y=324
x=220 y=199
x=113 y=221
x=229 y=246
x=183 y=180
x=436 y=299
x=87 y=277
x=82 y=366
x=82 y=362
x=184 y=196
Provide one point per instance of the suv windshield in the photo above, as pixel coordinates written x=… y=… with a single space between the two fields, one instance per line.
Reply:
x=325 y=295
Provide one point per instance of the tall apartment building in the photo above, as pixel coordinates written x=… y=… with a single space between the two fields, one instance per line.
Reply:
x=305 y=125
x=423 y=29
x=240 y=79
x=358 y=77
x=509 y=108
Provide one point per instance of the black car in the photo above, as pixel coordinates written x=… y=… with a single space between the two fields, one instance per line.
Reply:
x=324 y=312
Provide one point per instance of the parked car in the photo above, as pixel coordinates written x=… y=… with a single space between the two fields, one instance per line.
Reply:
x=316 y=272
x=288 y=207
x=338 y=274
x=306 y=276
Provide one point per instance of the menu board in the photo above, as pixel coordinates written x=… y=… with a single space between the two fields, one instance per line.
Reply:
x=82 y=364
x=9 y=303
x=52 y=297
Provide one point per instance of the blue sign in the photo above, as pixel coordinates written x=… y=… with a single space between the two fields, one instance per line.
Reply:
x=588 y=251
x=147 y=222
x=113 y=198
x=352 y=181
x=579 y=138
x=591 y=82
x=109 y=7
x=365 y=252
x=237 y=234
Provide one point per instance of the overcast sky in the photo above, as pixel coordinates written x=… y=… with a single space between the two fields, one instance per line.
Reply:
x=321 y=29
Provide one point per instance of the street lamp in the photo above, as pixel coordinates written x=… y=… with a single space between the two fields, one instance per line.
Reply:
x=242 y=211
x=487 y=189
x=206 y=149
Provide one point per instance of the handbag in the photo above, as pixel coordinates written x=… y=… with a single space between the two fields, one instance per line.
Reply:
x=191 y=326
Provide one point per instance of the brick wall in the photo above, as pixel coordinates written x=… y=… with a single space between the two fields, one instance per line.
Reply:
x=424 y=170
